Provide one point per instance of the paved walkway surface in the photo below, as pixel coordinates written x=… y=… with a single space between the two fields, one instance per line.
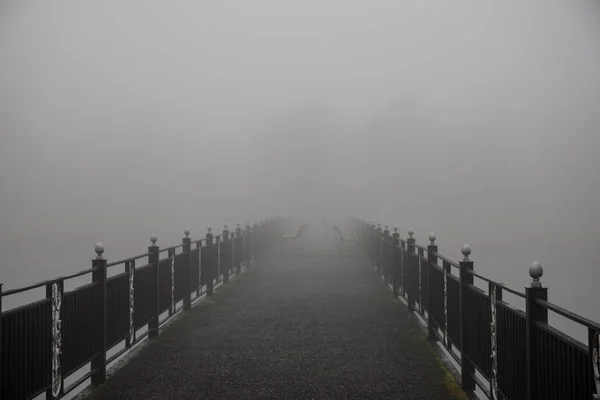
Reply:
x=310 y=326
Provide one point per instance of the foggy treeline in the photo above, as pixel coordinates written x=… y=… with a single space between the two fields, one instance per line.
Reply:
x=476 y=120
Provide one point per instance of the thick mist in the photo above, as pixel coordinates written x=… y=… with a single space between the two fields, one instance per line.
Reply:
x=476 y=120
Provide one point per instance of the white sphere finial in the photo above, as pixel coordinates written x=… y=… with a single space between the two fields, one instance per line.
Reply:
x=432 y=239
x=153 y=239
x=209 y=229
x=225 y=226
x=535 y=272
x=466 y=251
x=187 y=232
x=396 y=228
x=411 y=232
x=99 y=248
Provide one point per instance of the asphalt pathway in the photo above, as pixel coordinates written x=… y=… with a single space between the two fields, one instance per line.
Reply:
x=301 y=325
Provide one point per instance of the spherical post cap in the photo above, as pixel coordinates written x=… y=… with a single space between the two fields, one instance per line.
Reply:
x=432 y=237
x=99 y=248
x=411 y=232
x=209 y=230
x=153 y=239
x=187 y=232
x=395 y=228
x=466 y=251
x=536 y=271
x=225 y=226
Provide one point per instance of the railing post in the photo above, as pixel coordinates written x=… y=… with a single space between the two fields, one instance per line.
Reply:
x=395 y=260
x=217 y=259
x=432 y=260
x=378 y=254
x=534 y=313
x=238 y=250
x=171 y=257
x=153 y=256
x=254 y=238
x=130 y=271
x=210 y=266
x=409 y=265
x=467 y=369
x=99 y=278
x=385 y=240
x=247 y=243
x=227 y=245
x=187 y=291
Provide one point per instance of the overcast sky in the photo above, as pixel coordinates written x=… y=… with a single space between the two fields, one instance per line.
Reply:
x=476 y=116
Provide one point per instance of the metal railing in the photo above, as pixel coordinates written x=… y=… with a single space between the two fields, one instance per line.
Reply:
x=79 y=332
x=507 y=352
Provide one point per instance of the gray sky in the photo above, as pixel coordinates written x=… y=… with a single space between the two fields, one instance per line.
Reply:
x=465 y=117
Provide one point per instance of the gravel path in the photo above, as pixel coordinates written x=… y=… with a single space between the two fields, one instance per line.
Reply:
x=299 y=327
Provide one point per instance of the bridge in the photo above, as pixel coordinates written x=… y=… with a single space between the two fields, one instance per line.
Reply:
x=361 y=313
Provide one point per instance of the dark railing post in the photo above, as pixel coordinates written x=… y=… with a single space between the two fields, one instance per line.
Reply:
x=209 y=264
x=217 y=259
x=385 y=241
x=153 y=261
x=187 y=290
x=395 y=261
x=226 y=243
x=409 y=265
x=534 y=313
x=238 y=249
x=171 y=257
x=467 y=369
x=378 y=249
x=99 y=278
x=247 y=243
x=431 y=263
x=254 y=239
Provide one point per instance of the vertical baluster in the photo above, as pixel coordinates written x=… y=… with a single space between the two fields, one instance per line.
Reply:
x=495 y=296
x=54 y=292
x=130 y=271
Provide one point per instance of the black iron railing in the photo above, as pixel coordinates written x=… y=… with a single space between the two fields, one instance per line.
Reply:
x=74 y=334
x=507 y=352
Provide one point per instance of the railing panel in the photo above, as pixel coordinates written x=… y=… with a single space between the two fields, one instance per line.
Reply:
x=195 y=267
x=145 y=294
x=204 y=264
x=512 y=351
x=423 y=284
x=477 y=330
x=453 y=288
x=79 y=327
x=436 y=276
x=26 y=350
x=563 y=367
x=164 y=278
x=117 y=309
x=181 y=276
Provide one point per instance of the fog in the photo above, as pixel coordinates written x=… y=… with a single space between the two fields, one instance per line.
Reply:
x=476 y=120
